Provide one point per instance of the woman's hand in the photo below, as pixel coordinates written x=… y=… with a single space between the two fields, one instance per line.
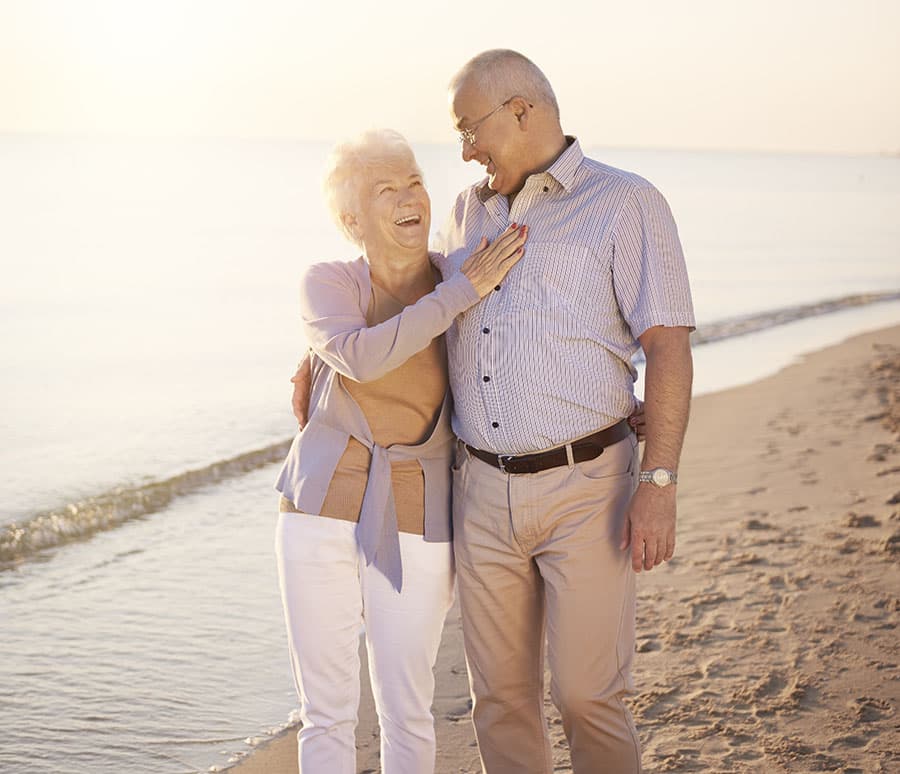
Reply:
x=636 y=420
x=489 y=264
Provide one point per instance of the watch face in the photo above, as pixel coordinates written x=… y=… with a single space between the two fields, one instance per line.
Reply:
x=660 y=477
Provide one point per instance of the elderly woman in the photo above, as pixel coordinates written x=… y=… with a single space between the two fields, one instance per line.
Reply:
x=363 y=533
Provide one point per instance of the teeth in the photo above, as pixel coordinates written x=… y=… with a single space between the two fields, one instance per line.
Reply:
x=407 y=219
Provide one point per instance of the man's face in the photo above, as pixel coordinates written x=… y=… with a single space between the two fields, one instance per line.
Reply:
x=500 y=143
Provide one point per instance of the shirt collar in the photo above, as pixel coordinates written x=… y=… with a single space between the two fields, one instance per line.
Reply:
x=562 y=170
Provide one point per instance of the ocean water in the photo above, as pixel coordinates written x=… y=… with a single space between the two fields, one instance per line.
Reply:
x=148 y=332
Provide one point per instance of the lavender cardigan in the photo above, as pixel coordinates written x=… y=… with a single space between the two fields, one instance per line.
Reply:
x=334 y=298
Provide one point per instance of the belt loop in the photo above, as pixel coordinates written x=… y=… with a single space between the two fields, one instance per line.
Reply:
x=569 y=456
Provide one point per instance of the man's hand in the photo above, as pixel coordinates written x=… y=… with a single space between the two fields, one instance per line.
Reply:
x=650 y=526
x=302 y=384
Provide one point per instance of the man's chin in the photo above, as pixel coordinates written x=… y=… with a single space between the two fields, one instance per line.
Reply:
x=496 y=184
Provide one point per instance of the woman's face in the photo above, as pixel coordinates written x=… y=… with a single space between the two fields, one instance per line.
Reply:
x=395 y=211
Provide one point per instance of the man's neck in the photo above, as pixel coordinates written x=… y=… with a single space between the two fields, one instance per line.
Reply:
x=553 y=151
x=545 y=159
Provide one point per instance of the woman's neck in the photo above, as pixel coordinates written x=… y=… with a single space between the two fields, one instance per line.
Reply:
x=406 y=277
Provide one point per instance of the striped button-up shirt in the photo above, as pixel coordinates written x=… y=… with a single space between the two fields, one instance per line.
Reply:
x=546 y=357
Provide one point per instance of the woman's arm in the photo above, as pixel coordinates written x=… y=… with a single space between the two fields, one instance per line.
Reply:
x=335 y=327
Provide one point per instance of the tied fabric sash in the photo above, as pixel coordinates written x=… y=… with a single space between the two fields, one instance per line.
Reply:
x=376 y=531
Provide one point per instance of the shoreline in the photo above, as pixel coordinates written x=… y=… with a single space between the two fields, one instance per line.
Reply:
x=769 y=641
x=726 y=354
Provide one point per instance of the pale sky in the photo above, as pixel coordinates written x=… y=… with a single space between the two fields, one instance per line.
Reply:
x=793 y=75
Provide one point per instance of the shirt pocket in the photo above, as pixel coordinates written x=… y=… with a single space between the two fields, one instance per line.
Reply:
x=553 y=275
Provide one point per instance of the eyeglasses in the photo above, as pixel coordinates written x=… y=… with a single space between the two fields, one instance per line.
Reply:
x=468 y=135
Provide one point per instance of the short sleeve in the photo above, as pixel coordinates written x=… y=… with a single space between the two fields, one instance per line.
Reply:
x=650 y=277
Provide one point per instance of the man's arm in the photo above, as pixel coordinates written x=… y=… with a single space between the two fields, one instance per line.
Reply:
x=302 y=381
x=650 y=519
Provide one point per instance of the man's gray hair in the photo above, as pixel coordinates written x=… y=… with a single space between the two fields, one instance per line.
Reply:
x=501 y=73
x=348 y=167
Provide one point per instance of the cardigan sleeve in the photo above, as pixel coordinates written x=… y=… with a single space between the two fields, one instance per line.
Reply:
x=335 y=326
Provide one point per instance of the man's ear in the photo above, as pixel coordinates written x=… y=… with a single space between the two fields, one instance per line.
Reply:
x=521 y=109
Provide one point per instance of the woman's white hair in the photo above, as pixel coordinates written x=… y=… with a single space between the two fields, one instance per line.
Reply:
x=349 y=164
x=500 y=74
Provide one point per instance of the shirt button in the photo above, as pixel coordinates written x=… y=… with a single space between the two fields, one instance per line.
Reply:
x=546 y=189
x=496 y=287
x=485 y=330
x=495 y=424
x=486 y=378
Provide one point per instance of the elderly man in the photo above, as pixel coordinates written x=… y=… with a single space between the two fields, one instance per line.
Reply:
x=552 y=514
x=546 y=499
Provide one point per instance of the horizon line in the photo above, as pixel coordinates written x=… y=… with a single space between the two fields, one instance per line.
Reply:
x=287 y=139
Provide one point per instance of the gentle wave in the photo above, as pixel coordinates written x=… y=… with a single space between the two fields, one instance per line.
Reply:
x=740 y=326
x=732 y=327
x=80 y=520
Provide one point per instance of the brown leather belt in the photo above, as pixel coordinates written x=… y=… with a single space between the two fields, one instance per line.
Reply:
x=582 y=450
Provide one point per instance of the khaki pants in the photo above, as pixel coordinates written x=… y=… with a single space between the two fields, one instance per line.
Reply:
x=537 y=559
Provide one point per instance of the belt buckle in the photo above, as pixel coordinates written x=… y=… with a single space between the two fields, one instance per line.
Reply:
x=500 y=461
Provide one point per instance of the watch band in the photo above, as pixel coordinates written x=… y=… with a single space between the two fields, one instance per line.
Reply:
x=658 y=477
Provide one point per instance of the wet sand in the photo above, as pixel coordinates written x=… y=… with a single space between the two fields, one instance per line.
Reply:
x=769 y=643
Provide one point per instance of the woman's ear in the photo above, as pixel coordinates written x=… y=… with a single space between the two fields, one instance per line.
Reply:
x=351 y=225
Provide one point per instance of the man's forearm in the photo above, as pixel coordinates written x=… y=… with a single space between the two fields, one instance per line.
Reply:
x=667 y=394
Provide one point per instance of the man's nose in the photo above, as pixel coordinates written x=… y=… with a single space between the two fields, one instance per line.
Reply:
x=468 y=151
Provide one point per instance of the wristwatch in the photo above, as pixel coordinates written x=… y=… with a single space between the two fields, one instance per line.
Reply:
x=658 y=477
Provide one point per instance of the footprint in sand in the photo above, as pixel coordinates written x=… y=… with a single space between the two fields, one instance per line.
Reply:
x=774 y=691
x=880 y=452
x=853 y=741
x=646 y=645
x=868 y=709
x=857 y=521
x=850 y=546
x=747 y=558
x=460 y=712
x=891 y=544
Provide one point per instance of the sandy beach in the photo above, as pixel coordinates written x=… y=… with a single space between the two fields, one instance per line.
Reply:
x=769 y=643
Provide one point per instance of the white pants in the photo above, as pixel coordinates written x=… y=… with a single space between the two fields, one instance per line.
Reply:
x=328 y=594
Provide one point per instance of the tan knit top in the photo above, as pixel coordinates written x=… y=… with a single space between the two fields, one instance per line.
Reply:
x=400 y=407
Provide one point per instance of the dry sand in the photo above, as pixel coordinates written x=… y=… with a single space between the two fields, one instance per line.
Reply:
x=769 y=643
